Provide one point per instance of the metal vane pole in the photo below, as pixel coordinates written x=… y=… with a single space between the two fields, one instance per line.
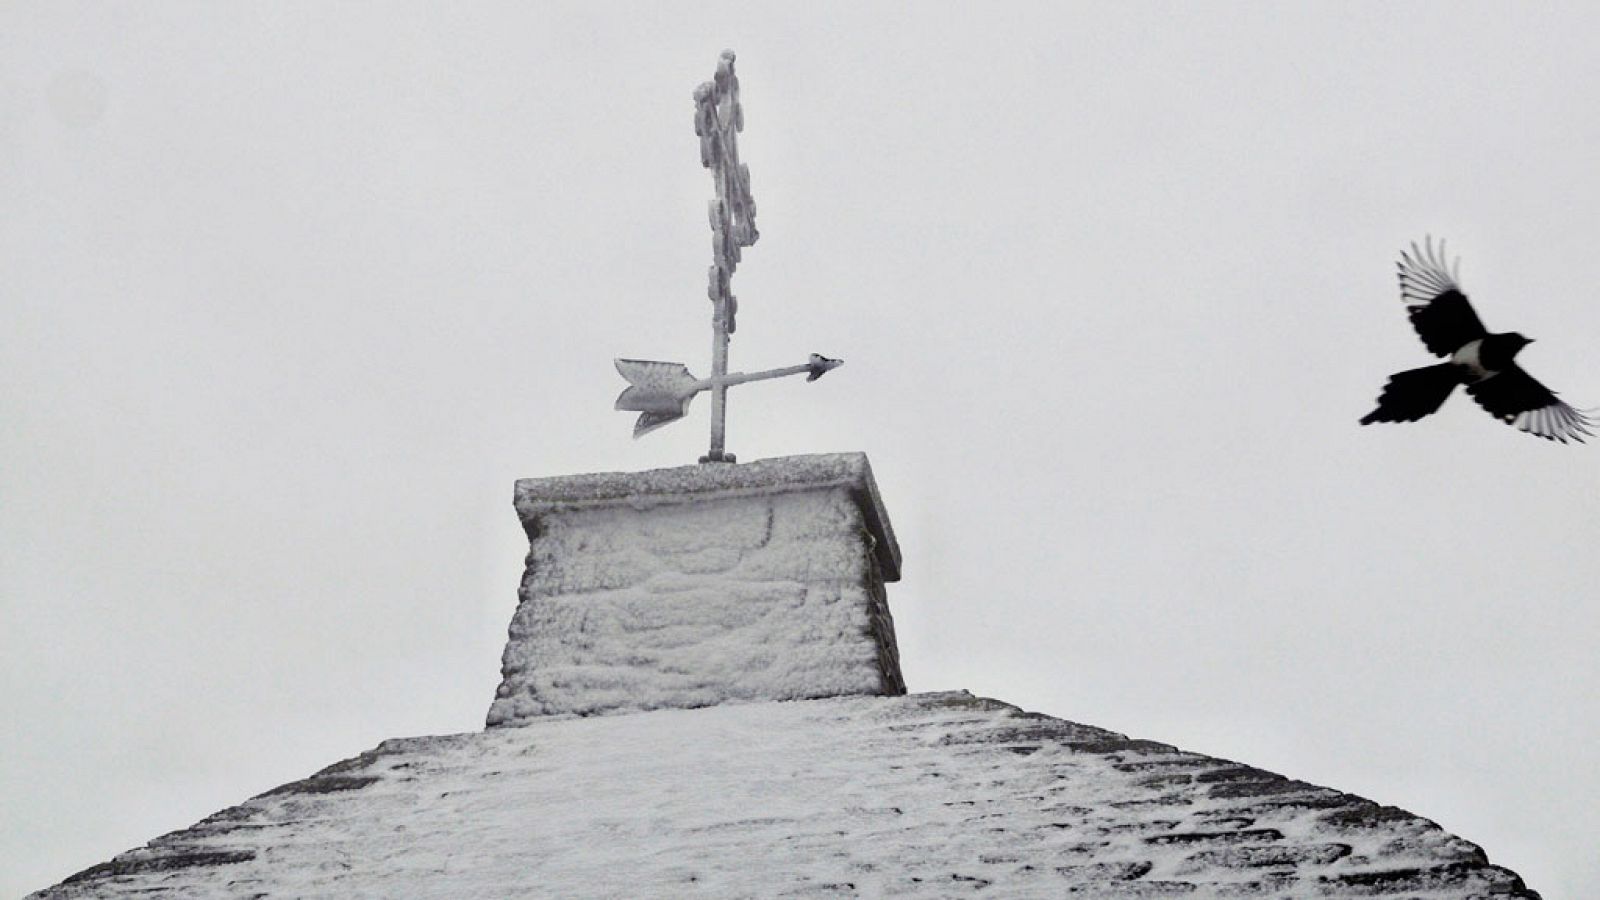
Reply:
x=660 y=391
x=718 y=120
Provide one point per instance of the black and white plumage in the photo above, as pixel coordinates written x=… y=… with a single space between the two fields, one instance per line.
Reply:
x=1481 y=361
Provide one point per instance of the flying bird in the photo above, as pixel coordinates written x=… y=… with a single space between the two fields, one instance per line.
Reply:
x=1484 y=362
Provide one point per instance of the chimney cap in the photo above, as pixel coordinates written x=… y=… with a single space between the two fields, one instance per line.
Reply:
x=537 y=497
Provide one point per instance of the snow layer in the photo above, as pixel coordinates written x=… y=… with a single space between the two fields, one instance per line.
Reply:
x=656 y=487
x=696 y=586
x=930 y=795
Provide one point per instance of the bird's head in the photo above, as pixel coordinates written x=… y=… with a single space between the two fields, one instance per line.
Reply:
x=1518 y=341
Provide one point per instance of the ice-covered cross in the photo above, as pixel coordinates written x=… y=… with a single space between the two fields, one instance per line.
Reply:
x=660 y=391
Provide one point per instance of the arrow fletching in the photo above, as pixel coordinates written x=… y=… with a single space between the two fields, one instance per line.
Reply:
x=649 y=422
x=659 y=391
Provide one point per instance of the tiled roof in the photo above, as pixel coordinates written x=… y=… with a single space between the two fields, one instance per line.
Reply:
x=925 y=795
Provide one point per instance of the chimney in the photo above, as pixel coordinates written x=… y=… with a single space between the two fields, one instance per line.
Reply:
x=701 y=585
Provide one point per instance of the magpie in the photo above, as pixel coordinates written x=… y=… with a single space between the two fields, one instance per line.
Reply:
x=1484 y=362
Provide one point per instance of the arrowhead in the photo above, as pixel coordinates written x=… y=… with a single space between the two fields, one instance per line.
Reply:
x=820 y=365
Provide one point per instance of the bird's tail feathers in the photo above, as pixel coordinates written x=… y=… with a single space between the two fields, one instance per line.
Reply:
x=1414 y=393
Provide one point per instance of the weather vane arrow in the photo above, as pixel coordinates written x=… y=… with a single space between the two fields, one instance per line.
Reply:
x=661 y=391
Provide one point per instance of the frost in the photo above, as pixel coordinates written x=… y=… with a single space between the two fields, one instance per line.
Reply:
x=700 y=585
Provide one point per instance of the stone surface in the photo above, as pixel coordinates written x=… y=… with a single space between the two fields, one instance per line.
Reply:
x=537 y=496
x=928 y=795
x=701 y=585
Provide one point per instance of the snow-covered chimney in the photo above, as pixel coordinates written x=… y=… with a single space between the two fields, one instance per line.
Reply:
x=699 y=585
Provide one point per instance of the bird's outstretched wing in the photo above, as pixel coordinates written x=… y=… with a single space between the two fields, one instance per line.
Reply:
x=1434 y=301
x=1514 y=397
x=1411 y=395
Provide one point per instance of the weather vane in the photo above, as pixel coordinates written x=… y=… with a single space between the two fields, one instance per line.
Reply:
x=660 y=391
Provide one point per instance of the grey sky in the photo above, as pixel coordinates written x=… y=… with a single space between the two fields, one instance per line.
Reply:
x=290 y=294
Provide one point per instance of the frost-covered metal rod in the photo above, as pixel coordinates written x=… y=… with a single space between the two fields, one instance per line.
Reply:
x=719 y=391
x=815 y=368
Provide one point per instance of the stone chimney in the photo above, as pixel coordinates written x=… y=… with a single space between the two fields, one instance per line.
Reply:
x=700 y=585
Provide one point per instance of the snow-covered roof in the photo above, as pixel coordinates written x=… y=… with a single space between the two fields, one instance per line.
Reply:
x=924 y=795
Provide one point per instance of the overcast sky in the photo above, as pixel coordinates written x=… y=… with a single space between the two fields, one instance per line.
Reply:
x=291 y=293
